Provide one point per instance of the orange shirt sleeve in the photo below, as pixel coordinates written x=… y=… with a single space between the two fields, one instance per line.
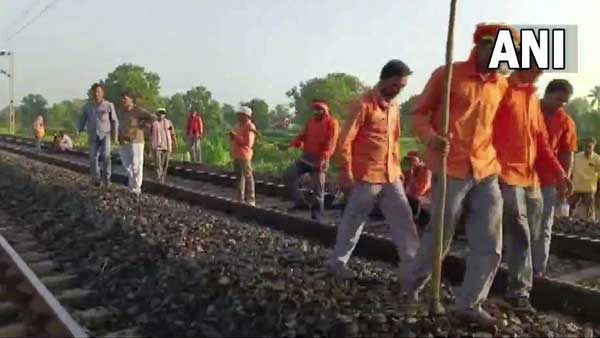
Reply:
x=333 y=137
x=299 y=140
x=568 y=140
x=424 y=183
x=352 y=125
x=200 y=126
x=428 y=103
x=545 y=155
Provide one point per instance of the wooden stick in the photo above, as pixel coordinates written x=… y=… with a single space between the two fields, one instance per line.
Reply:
x=438 y=217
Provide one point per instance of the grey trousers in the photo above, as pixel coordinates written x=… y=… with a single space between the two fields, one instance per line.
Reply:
x=483 y=227
x=161 y=158
x=292 y=176
x=541 y=243
x=245 y=181
x=194 y=143
x=521 y=224
x=394 y=205
x=100 y=149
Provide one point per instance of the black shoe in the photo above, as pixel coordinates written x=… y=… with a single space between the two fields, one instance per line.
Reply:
x=522 y=305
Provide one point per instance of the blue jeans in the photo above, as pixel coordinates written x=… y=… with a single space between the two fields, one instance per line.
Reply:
x=521 y=221
x=100 y=149
x=541 y=243
x=483 y=227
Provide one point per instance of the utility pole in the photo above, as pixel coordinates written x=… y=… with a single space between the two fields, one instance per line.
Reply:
x=11 y=89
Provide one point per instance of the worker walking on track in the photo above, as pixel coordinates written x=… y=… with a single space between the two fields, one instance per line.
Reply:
x=317 y=141
x=193 y=131
x=472 y=171
x=39 y=131
x=131 y=138
x=520 y=139
x=100 y=117
x=164 y=142
x=586 y=171
x=242 y=140
x=562 y=138
x=370 y=169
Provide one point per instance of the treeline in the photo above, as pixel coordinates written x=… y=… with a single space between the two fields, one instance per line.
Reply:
x=337 y=89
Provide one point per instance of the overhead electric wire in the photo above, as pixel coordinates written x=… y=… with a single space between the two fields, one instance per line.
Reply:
x=21 y=17
x=32 y=20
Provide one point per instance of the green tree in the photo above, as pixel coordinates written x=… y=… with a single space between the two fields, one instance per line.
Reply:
x=31 y=106
x=177 y=110
x=260 y=113
x=579 y=109
x=595 y=96
x=200 y=99
x=280 y=112
x=144 y=84
x=406 y=115
x=228 y=113
x=336 y=89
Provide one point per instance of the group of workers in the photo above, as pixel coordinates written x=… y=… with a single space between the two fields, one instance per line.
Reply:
x=509 y=161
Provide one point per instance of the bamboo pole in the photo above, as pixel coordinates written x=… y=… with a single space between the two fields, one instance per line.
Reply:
x=438 y=217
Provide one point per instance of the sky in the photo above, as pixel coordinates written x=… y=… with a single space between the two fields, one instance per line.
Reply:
x=241 y=49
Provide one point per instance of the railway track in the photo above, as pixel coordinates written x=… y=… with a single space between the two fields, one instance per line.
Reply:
x=39 y=297
x=564 y=245
x=549 y=294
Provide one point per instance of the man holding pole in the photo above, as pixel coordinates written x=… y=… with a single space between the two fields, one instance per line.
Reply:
x=370 y=169
x=472 y=173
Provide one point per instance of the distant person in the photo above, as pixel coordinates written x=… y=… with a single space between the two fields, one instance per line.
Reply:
x=131 y=137
x=100 y=117
x=64 y=142
x=317 y=141
x=242 y=140
x=39 y=131
x=562 y=138
x=193 y=131
x=164 y=142
x=417 y=179
x=369 y=168
x=586 y=171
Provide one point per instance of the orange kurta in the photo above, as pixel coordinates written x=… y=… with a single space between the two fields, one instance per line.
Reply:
x=520 y=137
x=561 y=137
x=242 y=141
x=368 y=144
x=319 y=137
x=417 y=182
x=474 y=100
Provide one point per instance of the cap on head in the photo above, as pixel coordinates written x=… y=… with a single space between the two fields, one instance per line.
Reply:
x=489 y=31
x=245 y=110
x=161 y=111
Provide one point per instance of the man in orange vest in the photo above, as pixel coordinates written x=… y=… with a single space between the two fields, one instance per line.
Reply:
x=520 y=139
x=370 y=169
x=562 y=138
x=317 y=141
x=472 y=171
